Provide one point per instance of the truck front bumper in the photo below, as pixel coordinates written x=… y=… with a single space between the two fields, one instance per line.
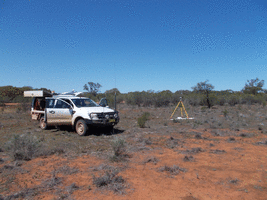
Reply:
x=103 y=122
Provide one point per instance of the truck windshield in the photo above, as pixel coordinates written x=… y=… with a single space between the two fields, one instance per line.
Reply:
x=84 y=103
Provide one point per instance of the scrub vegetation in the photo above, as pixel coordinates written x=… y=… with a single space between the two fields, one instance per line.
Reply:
x=203 y=94
x=222 y=151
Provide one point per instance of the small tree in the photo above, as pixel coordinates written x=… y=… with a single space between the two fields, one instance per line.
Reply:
x=92 y=88
x=204 y=88
x=112 y=91
x=253 y=86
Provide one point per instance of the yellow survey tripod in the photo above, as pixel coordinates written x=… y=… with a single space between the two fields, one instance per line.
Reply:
x=182 y=107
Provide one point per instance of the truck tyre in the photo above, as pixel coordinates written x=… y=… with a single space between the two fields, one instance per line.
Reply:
x=81 y=127
x=43 y=124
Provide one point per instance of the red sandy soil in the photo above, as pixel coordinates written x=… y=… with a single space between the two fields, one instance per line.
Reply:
x=208 y=176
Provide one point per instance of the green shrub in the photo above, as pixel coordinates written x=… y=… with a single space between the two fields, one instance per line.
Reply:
x=233 y=100
x=163 y=98
x=118 y=147
x=119 y=150
x=203 y=109
x=134 y=98
x=194 y=100
x=252 y=99
x=19 y=109
x=225 y=113
x=141 y=121
x=213 y=99
x=221 y=100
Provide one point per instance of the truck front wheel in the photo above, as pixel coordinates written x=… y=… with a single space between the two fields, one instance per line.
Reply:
x=43 y=123
x=81 y=127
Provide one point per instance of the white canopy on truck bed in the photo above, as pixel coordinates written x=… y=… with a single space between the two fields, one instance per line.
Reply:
x=37 y=93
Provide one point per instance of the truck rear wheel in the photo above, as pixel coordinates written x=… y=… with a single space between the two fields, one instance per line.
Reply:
x=81 y=127
x=43 y=124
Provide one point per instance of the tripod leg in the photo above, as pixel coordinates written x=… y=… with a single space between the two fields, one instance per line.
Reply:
x=185 y=110
x=175 y=109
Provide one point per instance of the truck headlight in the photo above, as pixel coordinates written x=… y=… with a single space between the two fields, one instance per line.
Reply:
x=107 y=116
x=93 y=116
x=116 y=115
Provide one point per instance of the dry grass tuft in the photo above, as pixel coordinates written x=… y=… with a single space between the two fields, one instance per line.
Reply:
x=110 y=181
x=174 y=170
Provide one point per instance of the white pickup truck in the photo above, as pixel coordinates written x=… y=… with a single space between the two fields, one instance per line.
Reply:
x=68 y=109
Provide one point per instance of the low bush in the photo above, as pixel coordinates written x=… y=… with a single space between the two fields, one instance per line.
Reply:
x=233 y=100
x=31 y=193
x=234 y=181
x=110 y=181
x=23 y=147
x=188 y=158
x=221 y=100
x=173 y=142
x=213 y=99
x=195 y=99
x=141 y=121
x=119 y=150
x=66 y=170
x=23 y=107
x=151 y=159
x=52 y=182
x=119 y=147
x=225 y=113
x=174 y=170
x=203 y=109
x=71 y=189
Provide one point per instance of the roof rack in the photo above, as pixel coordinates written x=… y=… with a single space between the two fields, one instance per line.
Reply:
x=72 y=93
x=67 y=94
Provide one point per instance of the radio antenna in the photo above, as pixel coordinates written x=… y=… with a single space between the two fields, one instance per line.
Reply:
x=115 y=103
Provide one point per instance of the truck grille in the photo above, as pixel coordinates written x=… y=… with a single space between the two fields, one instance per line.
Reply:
x=102 y=115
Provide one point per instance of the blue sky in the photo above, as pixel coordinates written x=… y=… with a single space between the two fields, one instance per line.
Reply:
x=133 y=45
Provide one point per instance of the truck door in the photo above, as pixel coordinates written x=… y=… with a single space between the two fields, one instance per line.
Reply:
x=60 y=114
